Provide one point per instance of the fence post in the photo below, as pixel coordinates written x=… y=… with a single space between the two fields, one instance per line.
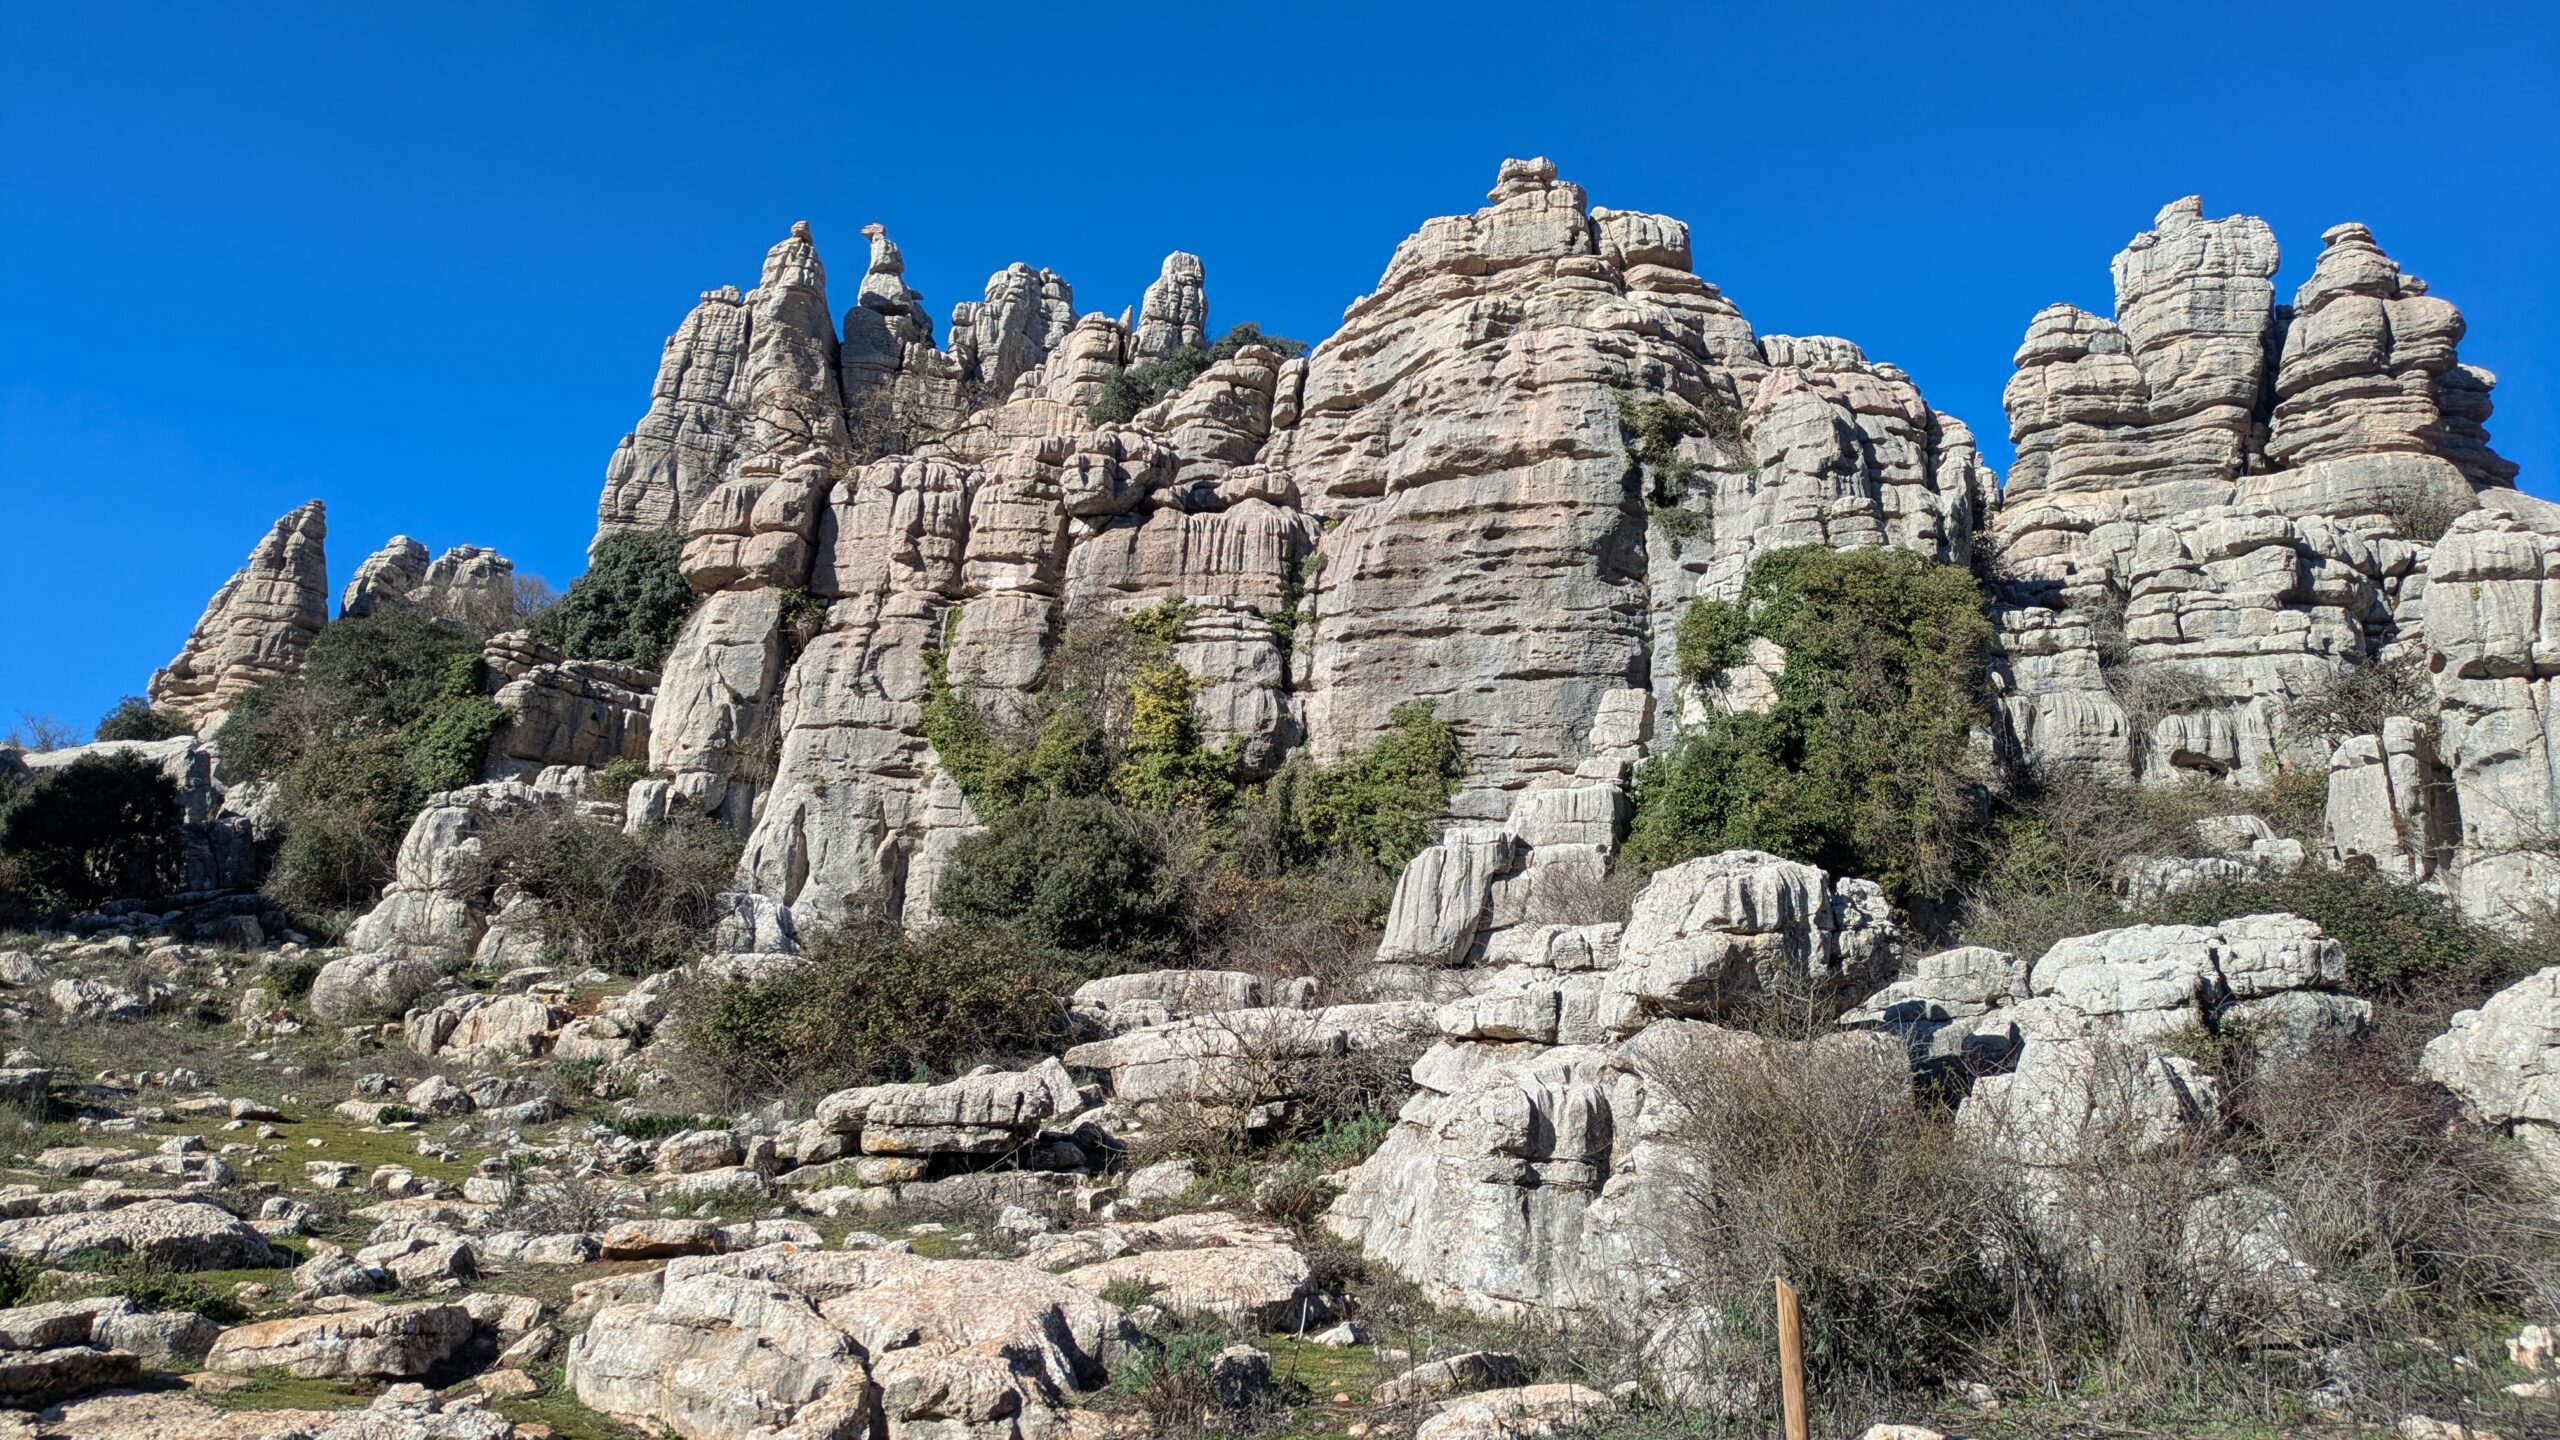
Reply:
x=1791 y=1362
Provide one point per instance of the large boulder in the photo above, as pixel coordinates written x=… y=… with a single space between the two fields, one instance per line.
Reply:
x=176 y=1234
x=2503 y=1060
x=391 y=1342
x=360 y=987
x=789 y=1341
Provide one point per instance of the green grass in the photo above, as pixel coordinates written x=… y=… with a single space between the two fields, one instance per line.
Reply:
x=558 y=1408
x=276 y=1390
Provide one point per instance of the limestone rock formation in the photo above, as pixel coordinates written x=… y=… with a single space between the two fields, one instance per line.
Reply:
x=589 y=713
x=2503 y=1059
x=2222 y=505
x=1174 y=315
x=258 y=625
x=468 y=586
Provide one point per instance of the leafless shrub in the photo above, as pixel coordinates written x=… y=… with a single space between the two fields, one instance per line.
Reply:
x=569 y=1204
x=2424 y=517
x=2359 y=699
x=1810 y=1161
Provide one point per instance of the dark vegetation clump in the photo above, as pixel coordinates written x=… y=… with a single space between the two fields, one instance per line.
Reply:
x=629 y=605
x=388 y=711
x=1114 y=829
x=629 y=902
x=877 y=1005
x=133 y=718
x=102 y=827
x=1865 y=764
x=1136 y=387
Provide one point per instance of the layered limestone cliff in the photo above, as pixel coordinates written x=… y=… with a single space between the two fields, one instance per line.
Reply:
x=258 y=625
x=1443 y=494
x=2222 y=504
x=1497 y=487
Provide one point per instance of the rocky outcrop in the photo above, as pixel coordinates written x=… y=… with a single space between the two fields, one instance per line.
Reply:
x=590 y=713
x=2222 y=505
x=1494 y=553
x=468 y=586
x=798 y=1342
x=1174 y=315
x=436 y=906
x=258 y=625
x=685 y=443
x=2503 y=1060
x=398 y=1342
x=174 y=1234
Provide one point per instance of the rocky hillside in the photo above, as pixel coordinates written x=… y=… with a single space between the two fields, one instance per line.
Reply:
x=1103 y=876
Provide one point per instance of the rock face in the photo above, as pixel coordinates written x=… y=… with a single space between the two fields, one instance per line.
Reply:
x=588 y=713
x=1530 y=1173
x=788 y=1341
x=467 y=586
x=398 y=1342
x=1466 y=423
x=177 y=1234
x=2222 y=504
x=258 y=625
x=2503 y=1059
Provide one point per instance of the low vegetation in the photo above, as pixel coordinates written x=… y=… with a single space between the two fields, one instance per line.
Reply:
x=101 y=827
x=876 y=1005
x=629 y=605
x=387 y=712
x=1136 y=387
x=1865 y=763
x=630 y=902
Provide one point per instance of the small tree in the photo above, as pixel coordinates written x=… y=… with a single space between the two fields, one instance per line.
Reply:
x=103 y=827
x=629 y=605
x=1082 y=877
x=133 y=718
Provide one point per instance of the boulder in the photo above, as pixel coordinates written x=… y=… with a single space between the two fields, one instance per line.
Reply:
x=391 y=1342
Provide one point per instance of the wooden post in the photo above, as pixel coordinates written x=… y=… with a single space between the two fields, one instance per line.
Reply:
x=1791 y=1363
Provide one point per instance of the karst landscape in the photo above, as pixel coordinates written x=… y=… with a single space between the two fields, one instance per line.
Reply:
x=1067 y=875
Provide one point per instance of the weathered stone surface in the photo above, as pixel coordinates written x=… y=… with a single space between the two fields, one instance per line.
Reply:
x=1529 y=1412
x=353 y=987
x=688 y=438
x=469 y=586
x=436 y=905
x=1242 y=1059
x=1175 y=312
x=258 y=625
x=1268 y=1286
x=986 y=1114
x=1724 y=927
x=394 y=1342
x=178 y=1234
x=2503 y=1060
x=787 y=1341
x=36 y=1378
x=589 y=713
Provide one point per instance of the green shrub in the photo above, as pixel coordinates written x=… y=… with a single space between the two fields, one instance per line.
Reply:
x=1385 y=801
x=1137 y=387
x=447 y=744
x=390 y=668
x=1082 y=877
x=2401 y=942
x=629 y=605
x=133 y=718
x=345 y=806
x=634 y=903
x=151 y=1285
x=99 y=828
x=1865 y=763
x=874 y=1005
x=18 y=1278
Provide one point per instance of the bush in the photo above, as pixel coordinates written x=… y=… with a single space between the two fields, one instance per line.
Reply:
x=629 y=605
x=634 y=903
x=389 y=668
x=134 y=719
x=1385 y=802
x=1138 y=387
x=2402 y=943
x=1081 y=877
x=345 y=806
x=387 y=712
x=874 y=1005
x=1865 y=765
x=99 y=828
x=1810 y=1161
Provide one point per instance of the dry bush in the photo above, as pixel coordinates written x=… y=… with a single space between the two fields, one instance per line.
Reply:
x=1811 y=1161
x=2358 y=699
x=634 y=903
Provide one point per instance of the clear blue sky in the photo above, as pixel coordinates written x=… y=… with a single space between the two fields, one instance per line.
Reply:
x=418 y=260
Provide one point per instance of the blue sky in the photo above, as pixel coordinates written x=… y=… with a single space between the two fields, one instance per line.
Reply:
x=418 y=260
